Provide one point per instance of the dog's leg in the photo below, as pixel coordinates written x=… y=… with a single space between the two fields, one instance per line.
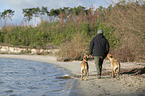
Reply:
x=112 y=72
x=117 y=75
x=81 y=74
x=118 y=71
x=85 y=72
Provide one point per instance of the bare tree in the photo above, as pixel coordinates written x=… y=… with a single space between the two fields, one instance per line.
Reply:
x=129 y=19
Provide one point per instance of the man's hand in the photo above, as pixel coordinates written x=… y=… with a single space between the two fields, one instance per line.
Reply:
x=90 y=56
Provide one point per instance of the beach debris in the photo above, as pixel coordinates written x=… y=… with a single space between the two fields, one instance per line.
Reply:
x=63 y=59
x=64 y=77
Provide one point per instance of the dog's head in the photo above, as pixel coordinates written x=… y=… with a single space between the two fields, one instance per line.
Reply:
x=109 y=56
x=85 y=58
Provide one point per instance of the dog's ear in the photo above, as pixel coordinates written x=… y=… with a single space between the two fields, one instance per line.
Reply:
x=86 y=57
x=111 y=56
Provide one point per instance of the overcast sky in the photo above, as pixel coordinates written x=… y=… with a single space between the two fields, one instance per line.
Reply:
x=18 y=5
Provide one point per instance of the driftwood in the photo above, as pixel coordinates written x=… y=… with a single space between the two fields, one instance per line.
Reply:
x=135 y=71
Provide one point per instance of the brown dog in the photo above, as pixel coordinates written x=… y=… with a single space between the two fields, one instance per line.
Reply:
x=84 y=67
x=115 y=66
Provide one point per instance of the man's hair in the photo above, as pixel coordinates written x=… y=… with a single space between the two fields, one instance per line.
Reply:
x=100 y=31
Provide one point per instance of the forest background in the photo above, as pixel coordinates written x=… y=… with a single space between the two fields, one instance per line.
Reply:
x=71 y=30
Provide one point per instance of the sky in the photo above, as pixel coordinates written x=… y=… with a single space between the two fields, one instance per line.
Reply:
x=18 y=5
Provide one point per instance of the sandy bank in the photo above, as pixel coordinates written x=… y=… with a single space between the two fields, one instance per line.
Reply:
x=127 y=85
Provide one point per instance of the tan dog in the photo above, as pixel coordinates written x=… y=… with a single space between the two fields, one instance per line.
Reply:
x=115 y=66
x=84 y=67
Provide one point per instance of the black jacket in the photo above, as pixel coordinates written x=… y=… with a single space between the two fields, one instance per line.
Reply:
x=99 y=46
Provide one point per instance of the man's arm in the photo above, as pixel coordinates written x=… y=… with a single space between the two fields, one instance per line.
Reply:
x=91 y=46
x=107 y=47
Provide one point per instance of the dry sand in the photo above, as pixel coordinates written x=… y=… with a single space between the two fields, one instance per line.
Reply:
x=128 y=84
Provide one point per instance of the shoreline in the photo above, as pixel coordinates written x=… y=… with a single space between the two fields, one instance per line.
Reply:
x=73 y=89
x=127 y=85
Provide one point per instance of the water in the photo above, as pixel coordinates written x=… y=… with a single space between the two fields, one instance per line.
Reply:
x=20 y=77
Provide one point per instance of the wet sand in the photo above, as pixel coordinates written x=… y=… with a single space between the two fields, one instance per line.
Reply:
x=128 y=84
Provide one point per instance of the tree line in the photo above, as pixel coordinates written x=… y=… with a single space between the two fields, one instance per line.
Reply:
x=39 y=12
x=122 y=23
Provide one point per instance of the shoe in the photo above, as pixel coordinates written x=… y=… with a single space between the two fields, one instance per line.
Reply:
x=98 y=77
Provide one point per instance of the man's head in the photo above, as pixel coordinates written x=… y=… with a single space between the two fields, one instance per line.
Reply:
x=100 y=31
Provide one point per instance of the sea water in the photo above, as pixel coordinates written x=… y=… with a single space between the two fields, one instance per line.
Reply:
x=20 y=77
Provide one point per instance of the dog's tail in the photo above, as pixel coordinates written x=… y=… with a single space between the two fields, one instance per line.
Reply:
x=119 y=67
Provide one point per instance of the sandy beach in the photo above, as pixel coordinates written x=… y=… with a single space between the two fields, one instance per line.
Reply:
x=129 y=84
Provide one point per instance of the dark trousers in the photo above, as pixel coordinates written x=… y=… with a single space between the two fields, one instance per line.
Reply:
x=98 y=63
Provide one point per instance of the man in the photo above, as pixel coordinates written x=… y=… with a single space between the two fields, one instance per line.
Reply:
x=99 y=48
